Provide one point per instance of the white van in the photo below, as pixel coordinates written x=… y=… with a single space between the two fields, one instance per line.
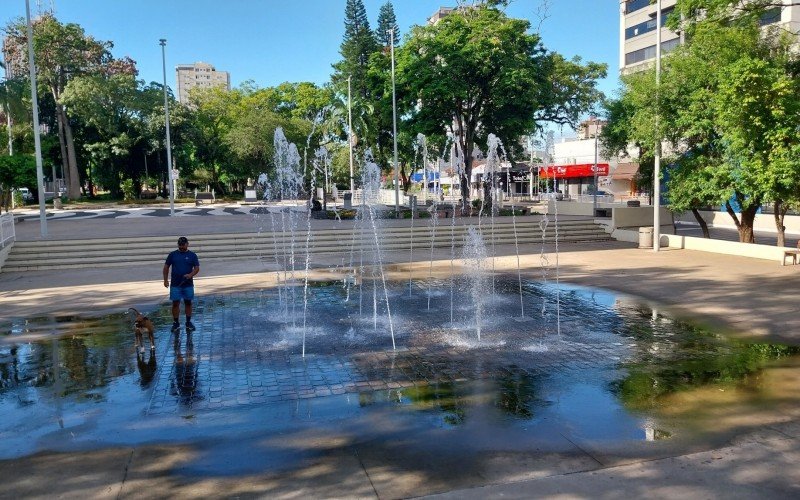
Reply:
x=26 y=194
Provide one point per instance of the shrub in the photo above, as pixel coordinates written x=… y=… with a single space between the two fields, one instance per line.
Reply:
x=128 y=193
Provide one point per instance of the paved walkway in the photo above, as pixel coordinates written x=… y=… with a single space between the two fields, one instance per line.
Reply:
x=332 y=459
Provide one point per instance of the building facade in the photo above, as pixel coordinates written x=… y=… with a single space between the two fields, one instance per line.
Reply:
x=637 y=29
x=199 y=75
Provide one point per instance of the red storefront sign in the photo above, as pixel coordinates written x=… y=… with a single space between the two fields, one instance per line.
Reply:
x=572 y=171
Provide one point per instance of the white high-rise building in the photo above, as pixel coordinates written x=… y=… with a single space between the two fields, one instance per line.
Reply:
x=199 y=74
x=637 y=29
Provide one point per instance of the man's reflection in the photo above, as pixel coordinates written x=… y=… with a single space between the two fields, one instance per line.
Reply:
x=147 y=369
x=185 y=384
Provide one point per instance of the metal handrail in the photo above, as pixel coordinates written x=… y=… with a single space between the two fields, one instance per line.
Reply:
x=7 y=234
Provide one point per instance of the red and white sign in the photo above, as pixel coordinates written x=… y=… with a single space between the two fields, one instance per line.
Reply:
x=572 y=171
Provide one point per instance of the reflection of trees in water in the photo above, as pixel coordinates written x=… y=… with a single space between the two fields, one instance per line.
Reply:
x=9 y=367
x=735 y=363
x=671 y=355
x=446 y=397
x=85 y=363
x=184 y=383
x=518 y=393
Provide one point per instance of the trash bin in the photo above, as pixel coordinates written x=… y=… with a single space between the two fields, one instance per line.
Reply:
x=645 y=237
x=348 y=200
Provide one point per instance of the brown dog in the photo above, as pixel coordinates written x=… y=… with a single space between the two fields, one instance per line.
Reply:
x=141 y=325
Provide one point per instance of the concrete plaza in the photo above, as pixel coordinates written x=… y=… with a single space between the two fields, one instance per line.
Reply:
x=275 y=447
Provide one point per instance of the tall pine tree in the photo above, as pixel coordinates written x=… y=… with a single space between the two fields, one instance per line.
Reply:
x=358 y=44
x=387 y=21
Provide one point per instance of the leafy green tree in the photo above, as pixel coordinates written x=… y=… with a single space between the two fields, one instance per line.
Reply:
x=251 y=135
x=478 y=71
x=208 y=122
x=303 y=100
x=759 y=116
x=115 y=106
x=63 y=52
x=730 y=120
x=15 y=171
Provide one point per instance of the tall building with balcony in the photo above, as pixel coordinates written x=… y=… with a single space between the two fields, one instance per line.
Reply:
x=637 y=29
x=199 y=75
x=637 y=33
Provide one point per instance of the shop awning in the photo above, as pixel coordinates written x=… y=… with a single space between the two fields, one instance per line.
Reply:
x=417 y=176
x=625 y=171
x=573 y=171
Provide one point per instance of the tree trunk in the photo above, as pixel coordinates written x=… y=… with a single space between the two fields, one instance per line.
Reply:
x=779 y=214
x=74 y=188
x=745 y=224
x=702 y=222
x=63 y=144
x=71 y=174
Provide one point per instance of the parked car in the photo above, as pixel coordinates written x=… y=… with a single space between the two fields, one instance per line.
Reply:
x=26 y=194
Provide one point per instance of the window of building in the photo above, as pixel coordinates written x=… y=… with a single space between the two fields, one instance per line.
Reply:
x=771 y=16
x=646 y=53
x=649 y=25
x=634 y=5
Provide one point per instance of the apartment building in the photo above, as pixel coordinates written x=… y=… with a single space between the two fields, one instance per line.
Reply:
x=199 y=74
x=637 y=29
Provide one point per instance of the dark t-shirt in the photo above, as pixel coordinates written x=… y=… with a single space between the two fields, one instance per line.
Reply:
x=182 y=263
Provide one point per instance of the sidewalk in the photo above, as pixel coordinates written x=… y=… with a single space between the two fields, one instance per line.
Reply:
x=297 y=451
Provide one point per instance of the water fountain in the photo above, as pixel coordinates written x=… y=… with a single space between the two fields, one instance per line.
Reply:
x=475 y=372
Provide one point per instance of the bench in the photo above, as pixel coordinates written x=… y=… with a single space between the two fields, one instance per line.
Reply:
x=200 y=198
x=793 y=253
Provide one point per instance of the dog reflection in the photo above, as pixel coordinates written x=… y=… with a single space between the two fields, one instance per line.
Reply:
x=184 y=387
x=147 y=369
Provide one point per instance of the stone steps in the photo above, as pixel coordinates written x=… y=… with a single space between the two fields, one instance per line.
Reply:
x=115 y=252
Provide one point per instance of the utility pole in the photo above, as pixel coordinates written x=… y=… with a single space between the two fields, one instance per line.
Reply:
x=394 y=130
x=350 y=137
x=36 y=139
x=163 y=43
x=657 y=169
x=594 y=197
x=9 y=123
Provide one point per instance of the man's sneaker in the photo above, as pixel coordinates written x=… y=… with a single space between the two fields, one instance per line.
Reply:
x=176 y=326
x=189 y=326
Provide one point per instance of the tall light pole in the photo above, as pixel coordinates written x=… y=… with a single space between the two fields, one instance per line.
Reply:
x=8 y=115
x=350 y=138
x=36 y=140
x=657 y=159
x=163 y=43
x=594 y=197
x=394 y=130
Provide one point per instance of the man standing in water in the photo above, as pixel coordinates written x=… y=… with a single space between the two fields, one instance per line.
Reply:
x=185 y=266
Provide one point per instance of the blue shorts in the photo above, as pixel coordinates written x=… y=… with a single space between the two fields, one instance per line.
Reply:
x=177 y=293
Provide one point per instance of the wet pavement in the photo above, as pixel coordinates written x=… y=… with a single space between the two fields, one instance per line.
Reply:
x=586 y=381
x=619 y=401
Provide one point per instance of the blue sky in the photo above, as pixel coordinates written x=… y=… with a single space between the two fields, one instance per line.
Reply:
x=273 y=41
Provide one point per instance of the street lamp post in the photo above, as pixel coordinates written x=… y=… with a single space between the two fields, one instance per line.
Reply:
x=36 y=140
x=394 y=129
x=657 y=159
x=163 y=43
x=8 y=116
x=594 y=197
x=350 y=137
